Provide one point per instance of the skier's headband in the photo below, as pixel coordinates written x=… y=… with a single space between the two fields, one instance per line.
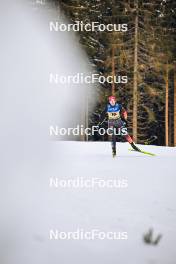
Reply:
x=112 y=98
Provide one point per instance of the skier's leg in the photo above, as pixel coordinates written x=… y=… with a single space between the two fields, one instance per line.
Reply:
x=112 y=137
x=128 y=138
x=113 y=143
x=130 y=141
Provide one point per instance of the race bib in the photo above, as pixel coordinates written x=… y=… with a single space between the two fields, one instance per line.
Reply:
x=113 y=115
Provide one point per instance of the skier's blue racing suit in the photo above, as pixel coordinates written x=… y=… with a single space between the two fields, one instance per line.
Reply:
x=117 y=117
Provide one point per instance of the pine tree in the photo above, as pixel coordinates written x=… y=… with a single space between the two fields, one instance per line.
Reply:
x=145 y=53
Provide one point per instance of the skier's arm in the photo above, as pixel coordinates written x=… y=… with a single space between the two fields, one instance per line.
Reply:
x=123 y=113
x=102 y=116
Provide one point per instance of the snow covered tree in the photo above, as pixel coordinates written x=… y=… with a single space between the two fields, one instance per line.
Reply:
x=145 y=53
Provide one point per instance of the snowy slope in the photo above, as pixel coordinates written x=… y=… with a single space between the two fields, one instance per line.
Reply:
x=33 y=208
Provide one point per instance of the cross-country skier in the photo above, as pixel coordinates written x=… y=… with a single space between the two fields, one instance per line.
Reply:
x=117 y=119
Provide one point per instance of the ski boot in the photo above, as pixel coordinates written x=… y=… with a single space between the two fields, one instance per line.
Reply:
x=135 y=147
x=113 y=152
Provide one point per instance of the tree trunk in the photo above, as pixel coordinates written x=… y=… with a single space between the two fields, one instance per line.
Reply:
x=175 y=106
x=113 y=69
x=167 y=108
x=135 y=75
x=87 y=115
x=170 y=129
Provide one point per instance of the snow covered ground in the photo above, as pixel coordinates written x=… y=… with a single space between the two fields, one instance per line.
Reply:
x=32 y=207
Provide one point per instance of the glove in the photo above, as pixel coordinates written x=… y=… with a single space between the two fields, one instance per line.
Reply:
x=125 y=123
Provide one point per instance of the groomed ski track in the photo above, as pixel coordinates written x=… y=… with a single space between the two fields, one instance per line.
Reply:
x=147 y=202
